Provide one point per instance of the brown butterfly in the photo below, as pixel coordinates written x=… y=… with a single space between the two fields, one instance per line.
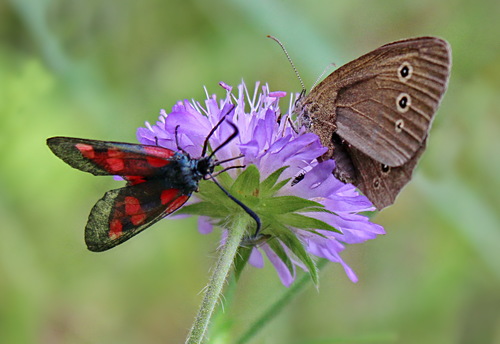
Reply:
x=374 y=113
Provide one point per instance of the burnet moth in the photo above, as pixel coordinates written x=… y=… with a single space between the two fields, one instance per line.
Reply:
x=159 y=181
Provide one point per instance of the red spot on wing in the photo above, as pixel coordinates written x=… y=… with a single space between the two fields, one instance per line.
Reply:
x=86 y=150
x=158 y=156
x=177 y=203
x=168 y=195
x=134 y=210
x=138 y=219
x=132 y=205
x=115 y=165
x=115 y=229
x=173 y=199
x=133 y=180
x=114 y=160
x=157 y=162
x=159 y=152
x=115 y=153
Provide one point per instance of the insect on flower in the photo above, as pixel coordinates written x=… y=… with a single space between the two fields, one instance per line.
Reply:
x=159 y=181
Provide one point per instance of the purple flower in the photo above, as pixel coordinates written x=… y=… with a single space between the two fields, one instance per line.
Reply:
x=305 y=210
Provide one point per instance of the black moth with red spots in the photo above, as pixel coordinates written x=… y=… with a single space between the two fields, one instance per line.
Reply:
x=159 y=181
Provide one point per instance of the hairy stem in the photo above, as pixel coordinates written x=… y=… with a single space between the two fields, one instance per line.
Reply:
x=217 y=280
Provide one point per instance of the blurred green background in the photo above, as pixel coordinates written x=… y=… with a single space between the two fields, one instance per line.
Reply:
x=99 y=69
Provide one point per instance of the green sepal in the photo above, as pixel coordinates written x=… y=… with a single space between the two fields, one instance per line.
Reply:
x=305 y=222
x=276 y=246
x=203 y=209
x=247 y=182
x=279 y=185
x=289 y=204
x=241 y=260
x=268 y=187
x=211 y=193
x=287 y=237
x=317 y=210
x=278 y=215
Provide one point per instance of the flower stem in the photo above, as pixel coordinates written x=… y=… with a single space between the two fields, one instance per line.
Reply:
x=217 y=280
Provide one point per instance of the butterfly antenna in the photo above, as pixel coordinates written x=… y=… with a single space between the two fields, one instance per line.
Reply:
x=249 y=211
x=291 y=62
x=205 y=144
x=323 y=73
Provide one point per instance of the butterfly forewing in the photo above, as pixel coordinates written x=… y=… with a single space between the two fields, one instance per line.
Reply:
x=111 y=158
x=393 y=104
x=123 y=213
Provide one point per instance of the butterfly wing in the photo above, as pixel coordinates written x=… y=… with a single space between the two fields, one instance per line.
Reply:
x=125 y=212
x=111 y=158
x=385 y=101
x=379 y=182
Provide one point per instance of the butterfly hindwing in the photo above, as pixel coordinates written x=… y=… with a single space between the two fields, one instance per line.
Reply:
x=111 y=158
x=378 y=180
x=123 y=213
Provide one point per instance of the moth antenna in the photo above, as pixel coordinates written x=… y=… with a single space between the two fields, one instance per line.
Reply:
x=205 y=144
x=323 y=73
x=229 y=139
x=179 y=148
x=226 y=169
x=217 y=163
x=291 y=62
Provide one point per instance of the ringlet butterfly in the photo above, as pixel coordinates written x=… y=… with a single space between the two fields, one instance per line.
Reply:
x=374 y=113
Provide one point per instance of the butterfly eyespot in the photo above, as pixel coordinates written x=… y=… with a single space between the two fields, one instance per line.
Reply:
x=403 y=102
x=376 y=183
x=385 y=168
x=399 y=125
x=405 y=71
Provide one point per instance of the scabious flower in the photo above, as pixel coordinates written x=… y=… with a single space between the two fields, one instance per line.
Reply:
x=304 y=209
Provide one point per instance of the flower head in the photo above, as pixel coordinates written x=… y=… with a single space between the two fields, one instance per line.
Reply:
x=304 y=209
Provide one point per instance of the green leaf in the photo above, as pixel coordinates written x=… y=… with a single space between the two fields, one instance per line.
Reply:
x=305 y=222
